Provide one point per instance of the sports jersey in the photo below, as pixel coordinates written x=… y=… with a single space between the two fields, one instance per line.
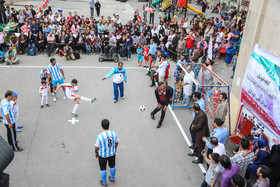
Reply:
x=7 y=108
x=54 y=71
x=106 y=143
x=15 y=106
x=69 y=89
x=42 y=75
x=43 y=90
x=118 y=75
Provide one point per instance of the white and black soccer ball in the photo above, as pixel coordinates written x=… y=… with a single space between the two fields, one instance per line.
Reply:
x=142 y=108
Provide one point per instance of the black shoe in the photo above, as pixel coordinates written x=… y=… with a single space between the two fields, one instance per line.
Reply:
x=196 y=162
x=231 y=77
x=42 y=106
x=159 y=125
x=1 y=117
x=47 y=105
x=152 y=85
x=153 y=116
x=190 y=154
x=191 y=147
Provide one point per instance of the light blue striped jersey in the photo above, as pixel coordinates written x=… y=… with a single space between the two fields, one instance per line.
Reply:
x=54 y=71
x=7 y=108
x=42 y=74
x=106 y=143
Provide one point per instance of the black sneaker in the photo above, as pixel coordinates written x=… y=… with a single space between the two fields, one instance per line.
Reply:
x=159 y=125
x=74 y=115
x=42 y=106
x=47 y=105
x=153 y=116
x=93 y=99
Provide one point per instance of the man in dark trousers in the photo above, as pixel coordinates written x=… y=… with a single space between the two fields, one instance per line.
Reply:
x=164 y=97
x=200 y=127
x=97 y=7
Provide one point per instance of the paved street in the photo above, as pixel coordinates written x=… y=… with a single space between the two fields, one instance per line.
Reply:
x=58 y=153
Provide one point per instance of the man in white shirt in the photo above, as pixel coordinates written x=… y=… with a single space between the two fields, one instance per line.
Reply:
x=186 y=24
x=218 y=147
x=51 y=16
x=119 y=21
x=188 y=85
x=220 y=36
x=162 y=68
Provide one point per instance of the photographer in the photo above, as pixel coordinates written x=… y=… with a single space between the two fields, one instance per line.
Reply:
x=11 y=56
x=109 y=49
x=68 y=52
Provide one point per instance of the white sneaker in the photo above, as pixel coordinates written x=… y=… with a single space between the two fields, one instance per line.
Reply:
x=54 y=99
x=128 y=59
x=64 y=97
x=93 y=99
x=123 y=97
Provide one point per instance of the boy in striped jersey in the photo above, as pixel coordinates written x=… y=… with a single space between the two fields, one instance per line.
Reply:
x=44 y=90
x=70 y=89
x=105 y=150
x=14 y=104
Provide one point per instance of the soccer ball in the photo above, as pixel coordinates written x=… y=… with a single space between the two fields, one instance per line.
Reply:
x=142 y=108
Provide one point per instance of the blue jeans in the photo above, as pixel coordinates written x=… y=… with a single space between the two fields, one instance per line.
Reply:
x=88 y=49
x=186 y=98
x=204 y=184
x=128 y=51
x=117 y=87
x=188 y=53
x=29 y=47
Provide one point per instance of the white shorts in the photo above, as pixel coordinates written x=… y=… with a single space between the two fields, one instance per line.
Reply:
x=71 y=97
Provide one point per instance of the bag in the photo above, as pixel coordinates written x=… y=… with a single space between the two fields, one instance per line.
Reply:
x=4 y=180
x=32 y=51
x=123 y=51
x=6 y=154
x=77 y=55
x=60 y=53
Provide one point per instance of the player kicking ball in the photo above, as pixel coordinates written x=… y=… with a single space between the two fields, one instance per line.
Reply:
x=70 y=89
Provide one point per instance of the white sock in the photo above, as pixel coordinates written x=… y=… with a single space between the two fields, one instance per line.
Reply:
x=42 y=100
x=75 y=108
x=85 y=99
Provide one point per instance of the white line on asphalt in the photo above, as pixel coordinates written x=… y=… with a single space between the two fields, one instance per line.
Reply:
x=71 y=67
x=73 y=121
x=184 y=135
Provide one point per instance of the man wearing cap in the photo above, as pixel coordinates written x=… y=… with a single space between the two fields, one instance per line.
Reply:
x=9 y=120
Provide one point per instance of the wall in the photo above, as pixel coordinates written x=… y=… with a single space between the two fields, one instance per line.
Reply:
x=262 y=27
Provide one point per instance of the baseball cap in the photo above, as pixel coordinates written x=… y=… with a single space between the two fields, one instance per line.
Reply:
x=15 y=94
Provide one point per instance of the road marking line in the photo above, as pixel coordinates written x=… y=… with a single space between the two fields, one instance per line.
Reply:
x=73 y=121
x=185 y=136
x=72 y=67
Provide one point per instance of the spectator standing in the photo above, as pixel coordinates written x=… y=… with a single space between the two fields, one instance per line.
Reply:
x=164 y=96
x=97 y=7
x=234 y=63
x=240 y=159
x=51 y=44
x=197 y=99
x=162 y=66
x=119 y=75
x=200 y=127
x=145 y=11
x=222 y=108
x=217 y=147
x=128 y=44
x=263 y=173
x=189 y=44
x=213 y=171
x=188 y=85
x=91 y=8
x=230 y=170
x=181 y=46
x=9 y=120
x=12 y=26
x=219 y=131
x=152 y=14
x=105 y=150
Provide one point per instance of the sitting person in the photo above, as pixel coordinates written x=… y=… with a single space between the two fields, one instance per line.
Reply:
x=261 y=159
x=109 y=49
x=68 y=52
x=31 y=43
x=11 y=56
x=2 y=57
x=41 y=42
x=22 y=43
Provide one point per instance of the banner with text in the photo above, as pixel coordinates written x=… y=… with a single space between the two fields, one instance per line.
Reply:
x=260 y=90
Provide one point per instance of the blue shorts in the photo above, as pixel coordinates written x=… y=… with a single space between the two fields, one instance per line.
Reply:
x=140 y=57
x=60 y=81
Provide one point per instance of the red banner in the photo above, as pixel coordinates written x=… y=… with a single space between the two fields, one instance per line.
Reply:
x=181 y=3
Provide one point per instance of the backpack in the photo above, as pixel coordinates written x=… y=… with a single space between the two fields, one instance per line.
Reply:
x=123 y=51
x=77 y=55
x=32 y=51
